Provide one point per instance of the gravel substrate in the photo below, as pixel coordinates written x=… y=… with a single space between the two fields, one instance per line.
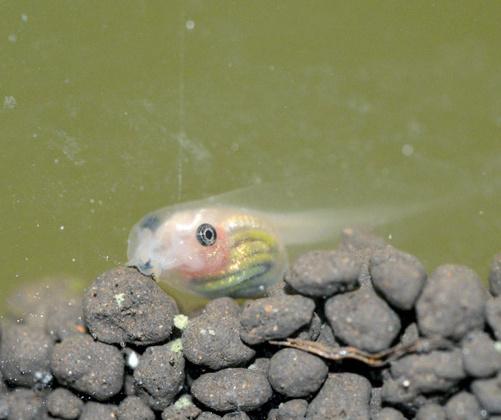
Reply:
x=123 y=351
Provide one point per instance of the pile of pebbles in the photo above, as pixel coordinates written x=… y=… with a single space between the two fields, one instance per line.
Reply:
x=125 y=352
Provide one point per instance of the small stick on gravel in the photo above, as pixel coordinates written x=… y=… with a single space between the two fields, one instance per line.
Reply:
x=341 y=353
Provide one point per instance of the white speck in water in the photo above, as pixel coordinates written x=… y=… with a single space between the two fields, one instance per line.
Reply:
x=212 y=332
x=132 y=360
x=26 y=259
x=56 y=161
x=407 y=150
x=497 y=346
x=390 y=236
x=234 y=147
x=480 y=212
x=38 y=225
x=190 y=25
x=406 y=383
x=61 y=227
x=12 y=38
x=24 y=18
x=70 y=146
x=9 y=102
x=92 y=201
x=193 y=148
x=35 y=135
x=73 y=259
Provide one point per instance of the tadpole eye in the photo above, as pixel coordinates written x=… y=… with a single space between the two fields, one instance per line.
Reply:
x=206 y=234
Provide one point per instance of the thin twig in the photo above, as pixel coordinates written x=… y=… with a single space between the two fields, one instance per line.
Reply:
x=340 y=353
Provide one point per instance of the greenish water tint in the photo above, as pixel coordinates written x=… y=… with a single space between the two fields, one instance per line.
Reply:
x=109 y=110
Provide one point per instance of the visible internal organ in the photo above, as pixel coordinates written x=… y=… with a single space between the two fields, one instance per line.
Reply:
x=254 y=256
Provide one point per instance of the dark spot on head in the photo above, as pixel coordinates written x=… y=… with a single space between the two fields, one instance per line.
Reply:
x=145 y=266
x=151 y=223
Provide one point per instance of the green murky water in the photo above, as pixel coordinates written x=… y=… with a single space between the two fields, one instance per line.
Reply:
x=111 y=109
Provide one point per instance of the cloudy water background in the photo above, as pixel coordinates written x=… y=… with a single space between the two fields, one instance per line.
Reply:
x=109 y=110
